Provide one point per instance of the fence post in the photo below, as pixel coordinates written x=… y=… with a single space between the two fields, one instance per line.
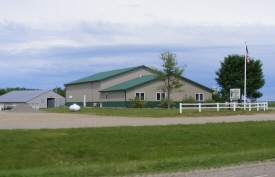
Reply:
x=249 y=106
x=199 y=107
x=218 y=109
x=266 y=105
x=257 y=106
x=180 y=108
x=234 y=106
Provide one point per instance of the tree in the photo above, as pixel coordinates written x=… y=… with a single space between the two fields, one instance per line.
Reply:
x=170 y=75
x=3 y=91
x=231 y=75
x=59 y=91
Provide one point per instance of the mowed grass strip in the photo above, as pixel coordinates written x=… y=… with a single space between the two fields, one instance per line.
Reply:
x=129 y=150
x=155 y=112
x=271 y=104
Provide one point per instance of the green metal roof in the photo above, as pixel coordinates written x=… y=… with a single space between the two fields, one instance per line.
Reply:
x=131 y=83
x=104 y=75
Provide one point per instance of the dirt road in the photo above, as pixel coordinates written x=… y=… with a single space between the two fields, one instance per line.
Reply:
x=10 y=120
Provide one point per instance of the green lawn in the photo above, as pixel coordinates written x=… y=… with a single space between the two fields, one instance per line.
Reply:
x=154 y=112
x=129 y=150
x=271 y=104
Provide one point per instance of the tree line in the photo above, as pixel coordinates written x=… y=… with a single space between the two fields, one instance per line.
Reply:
x=9 y=89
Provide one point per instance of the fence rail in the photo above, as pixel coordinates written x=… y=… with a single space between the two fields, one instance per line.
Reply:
x=218 y=106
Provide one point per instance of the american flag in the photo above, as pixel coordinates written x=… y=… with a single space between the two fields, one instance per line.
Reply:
x=247 y=56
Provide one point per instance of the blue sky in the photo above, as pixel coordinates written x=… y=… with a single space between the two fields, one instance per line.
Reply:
x=44 y=44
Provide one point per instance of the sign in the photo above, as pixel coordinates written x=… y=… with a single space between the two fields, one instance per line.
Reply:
x=235 y=94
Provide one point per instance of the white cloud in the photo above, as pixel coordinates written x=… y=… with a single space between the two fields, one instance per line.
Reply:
x=18 y=47
x=55 y=13
x=55 y=38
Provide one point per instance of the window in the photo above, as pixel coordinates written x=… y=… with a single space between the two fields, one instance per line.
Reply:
x=106 y=96
x=199 y=96
x=160 y=96
x=140 y=95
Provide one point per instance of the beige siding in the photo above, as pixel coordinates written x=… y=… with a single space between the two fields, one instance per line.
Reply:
x=76 y=92
x=91 y=90
x=124 y=77
x=112 y=96
x=151 y=90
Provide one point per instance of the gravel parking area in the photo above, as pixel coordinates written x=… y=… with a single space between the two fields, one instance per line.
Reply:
x=11 y=120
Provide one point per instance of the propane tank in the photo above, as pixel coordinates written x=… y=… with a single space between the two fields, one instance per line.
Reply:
x=74 y=107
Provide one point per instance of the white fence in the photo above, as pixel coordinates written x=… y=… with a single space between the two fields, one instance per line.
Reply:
x=218 y=106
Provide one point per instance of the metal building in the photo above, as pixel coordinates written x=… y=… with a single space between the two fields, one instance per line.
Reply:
x=36 y=98
x=115 y=88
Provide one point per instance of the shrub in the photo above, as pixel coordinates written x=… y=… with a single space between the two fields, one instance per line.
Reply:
x=137 y=103
x=189 y=99
x=152 y=106
x=163 y=103
x=218 y=98
x=210 y=100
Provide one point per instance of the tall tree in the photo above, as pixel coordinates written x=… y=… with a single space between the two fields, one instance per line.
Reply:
x=59 y=91
x=231 y=74
x=170 y=74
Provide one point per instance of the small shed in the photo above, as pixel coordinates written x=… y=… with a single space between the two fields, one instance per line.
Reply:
x=36 y=98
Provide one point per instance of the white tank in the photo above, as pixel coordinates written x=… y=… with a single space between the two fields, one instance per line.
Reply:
x=74 y=107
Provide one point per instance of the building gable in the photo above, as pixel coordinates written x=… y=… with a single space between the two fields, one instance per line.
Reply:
x=131 y=83
x=104 y=75
x=143 y=80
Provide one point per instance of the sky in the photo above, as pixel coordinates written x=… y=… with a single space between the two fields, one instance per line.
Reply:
x=48 y=43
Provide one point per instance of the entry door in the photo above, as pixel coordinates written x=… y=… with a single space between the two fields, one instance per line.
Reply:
x=84 y=100
x=50 y=102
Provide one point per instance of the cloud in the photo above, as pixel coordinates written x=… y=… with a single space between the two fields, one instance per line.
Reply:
x=53 y=13
x=58 y=42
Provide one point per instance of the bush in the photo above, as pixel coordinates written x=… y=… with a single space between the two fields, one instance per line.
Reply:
x=163 y=103
x=189 y=99
x=136 y=103
x=152 y=106
x=218 y=98
x=210 y=100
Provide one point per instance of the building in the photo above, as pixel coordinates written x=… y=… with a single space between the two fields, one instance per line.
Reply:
x=115 y=88
x=36 y=98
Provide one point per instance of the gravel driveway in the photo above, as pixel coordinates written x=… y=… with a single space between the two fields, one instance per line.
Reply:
x=9 y=120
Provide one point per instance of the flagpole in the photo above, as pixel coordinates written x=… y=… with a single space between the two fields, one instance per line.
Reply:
x=245 y=78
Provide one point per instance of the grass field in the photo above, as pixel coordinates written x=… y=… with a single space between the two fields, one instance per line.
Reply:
x=129 y=150
x=155 y=112
x=271 y=104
